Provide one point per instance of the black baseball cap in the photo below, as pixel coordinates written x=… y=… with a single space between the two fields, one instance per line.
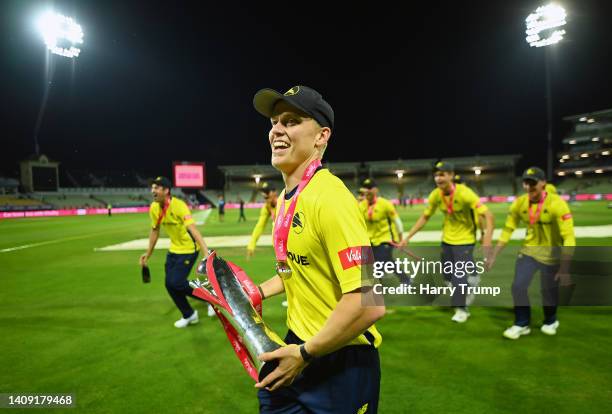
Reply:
x=534 y=174
x=301 y=97
x=368 y=184
x=162 y=182
x=266 y=188
x=444 y=167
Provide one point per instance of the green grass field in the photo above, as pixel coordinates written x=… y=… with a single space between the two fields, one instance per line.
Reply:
x=77 y=321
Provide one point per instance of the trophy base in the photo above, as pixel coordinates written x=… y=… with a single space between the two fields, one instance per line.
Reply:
x=267 y=368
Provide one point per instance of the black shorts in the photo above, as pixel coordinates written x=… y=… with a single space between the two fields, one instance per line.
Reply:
x=344 y=381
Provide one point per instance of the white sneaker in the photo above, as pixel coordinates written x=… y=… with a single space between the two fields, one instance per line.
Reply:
x=550 y=329
x=183 y=323
x=285 y=303
x=460 y=316
x=515 y=331
x=211 y=311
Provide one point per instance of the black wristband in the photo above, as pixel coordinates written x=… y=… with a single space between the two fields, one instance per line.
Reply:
x=305 y=355
x=261 y=292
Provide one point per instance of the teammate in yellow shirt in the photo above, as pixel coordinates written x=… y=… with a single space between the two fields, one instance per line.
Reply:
x=267 y=211
x=460 y=205
x=384 y=225
x=186 y=241
x=319 y=236
x=547 y=248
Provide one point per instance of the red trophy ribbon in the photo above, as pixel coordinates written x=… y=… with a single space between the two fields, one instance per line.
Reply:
x=237 y=303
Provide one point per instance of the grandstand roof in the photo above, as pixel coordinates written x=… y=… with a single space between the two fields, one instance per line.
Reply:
x=604 y=113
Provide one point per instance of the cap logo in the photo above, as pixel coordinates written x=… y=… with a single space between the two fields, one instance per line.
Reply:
x=292 y=91
x=440 y=164
x=158 y=178
x=530 y=171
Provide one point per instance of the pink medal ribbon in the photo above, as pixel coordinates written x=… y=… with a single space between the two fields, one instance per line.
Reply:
x=449 y=205
x=533 y=218
x=371 y=208
x=283 y=221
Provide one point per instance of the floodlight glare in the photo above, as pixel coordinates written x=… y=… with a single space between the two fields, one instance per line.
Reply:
x=543 y=25
x=61 y=34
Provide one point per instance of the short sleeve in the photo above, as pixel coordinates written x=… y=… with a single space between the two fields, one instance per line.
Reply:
x=391 y=213
x=565 y=221
x=183 y=212
x=432 y=203
x=474 y=202
x=344 y=235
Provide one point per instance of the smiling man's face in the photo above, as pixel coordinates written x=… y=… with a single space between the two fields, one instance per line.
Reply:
x=293 y=137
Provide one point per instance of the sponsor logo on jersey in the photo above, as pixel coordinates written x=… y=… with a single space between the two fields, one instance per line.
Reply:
x=355 y=256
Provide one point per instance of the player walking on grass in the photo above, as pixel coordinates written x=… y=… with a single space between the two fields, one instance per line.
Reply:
x=547 y=248
x=460 y=206
x=384 y=225
x=185 y=244
x=267 y=210
x=330 y=363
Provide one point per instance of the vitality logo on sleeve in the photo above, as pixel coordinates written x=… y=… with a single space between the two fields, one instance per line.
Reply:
x=355 y=256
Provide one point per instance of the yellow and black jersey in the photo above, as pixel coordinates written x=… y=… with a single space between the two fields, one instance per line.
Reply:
x=553 y=228
x=460 y=211
x=324 y=252
x=380 y=220
x=174 y=220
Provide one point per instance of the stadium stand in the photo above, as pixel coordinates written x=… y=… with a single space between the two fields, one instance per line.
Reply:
x=20 y=202
x=395 y=178
x=587 y=150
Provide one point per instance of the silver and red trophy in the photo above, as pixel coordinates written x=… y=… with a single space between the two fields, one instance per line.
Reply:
x=237 y=303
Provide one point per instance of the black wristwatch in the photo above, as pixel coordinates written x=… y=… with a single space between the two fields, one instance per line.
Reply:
x=305 y=355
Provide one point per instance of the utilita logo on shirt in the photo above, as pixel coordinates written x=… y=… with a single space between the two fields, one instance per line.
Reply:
x=355 y=256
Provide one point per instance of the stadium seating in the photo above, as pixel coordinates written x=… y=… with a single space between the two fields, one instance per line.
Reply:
x=589 y=185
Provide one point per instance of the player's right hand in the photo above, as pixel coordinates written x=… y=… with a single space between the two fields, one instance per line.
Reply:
x=143 y=260
x=404 y=242
x=490 y=261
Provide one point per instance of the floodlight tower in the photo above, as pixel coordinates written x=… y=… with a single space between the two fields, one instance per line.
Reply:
x=545 y=28
x=62 y=36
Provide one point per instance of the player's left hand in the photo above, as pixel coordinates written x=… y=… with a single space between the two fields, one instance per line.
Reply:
x=290 y=364
x=564 y=278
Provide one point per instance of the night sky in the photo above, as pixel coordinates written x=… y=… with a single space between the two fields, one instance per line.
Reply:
x=156 y=82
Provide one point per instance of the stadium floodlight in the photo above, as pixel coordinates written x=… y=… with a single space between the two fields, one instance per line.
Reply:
x=61 y=34
x=477 y=170
x=257 y=178
x=399 y=173
x=560 y=173
x=578 y=172
x=599 y=171
x=544 y=26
